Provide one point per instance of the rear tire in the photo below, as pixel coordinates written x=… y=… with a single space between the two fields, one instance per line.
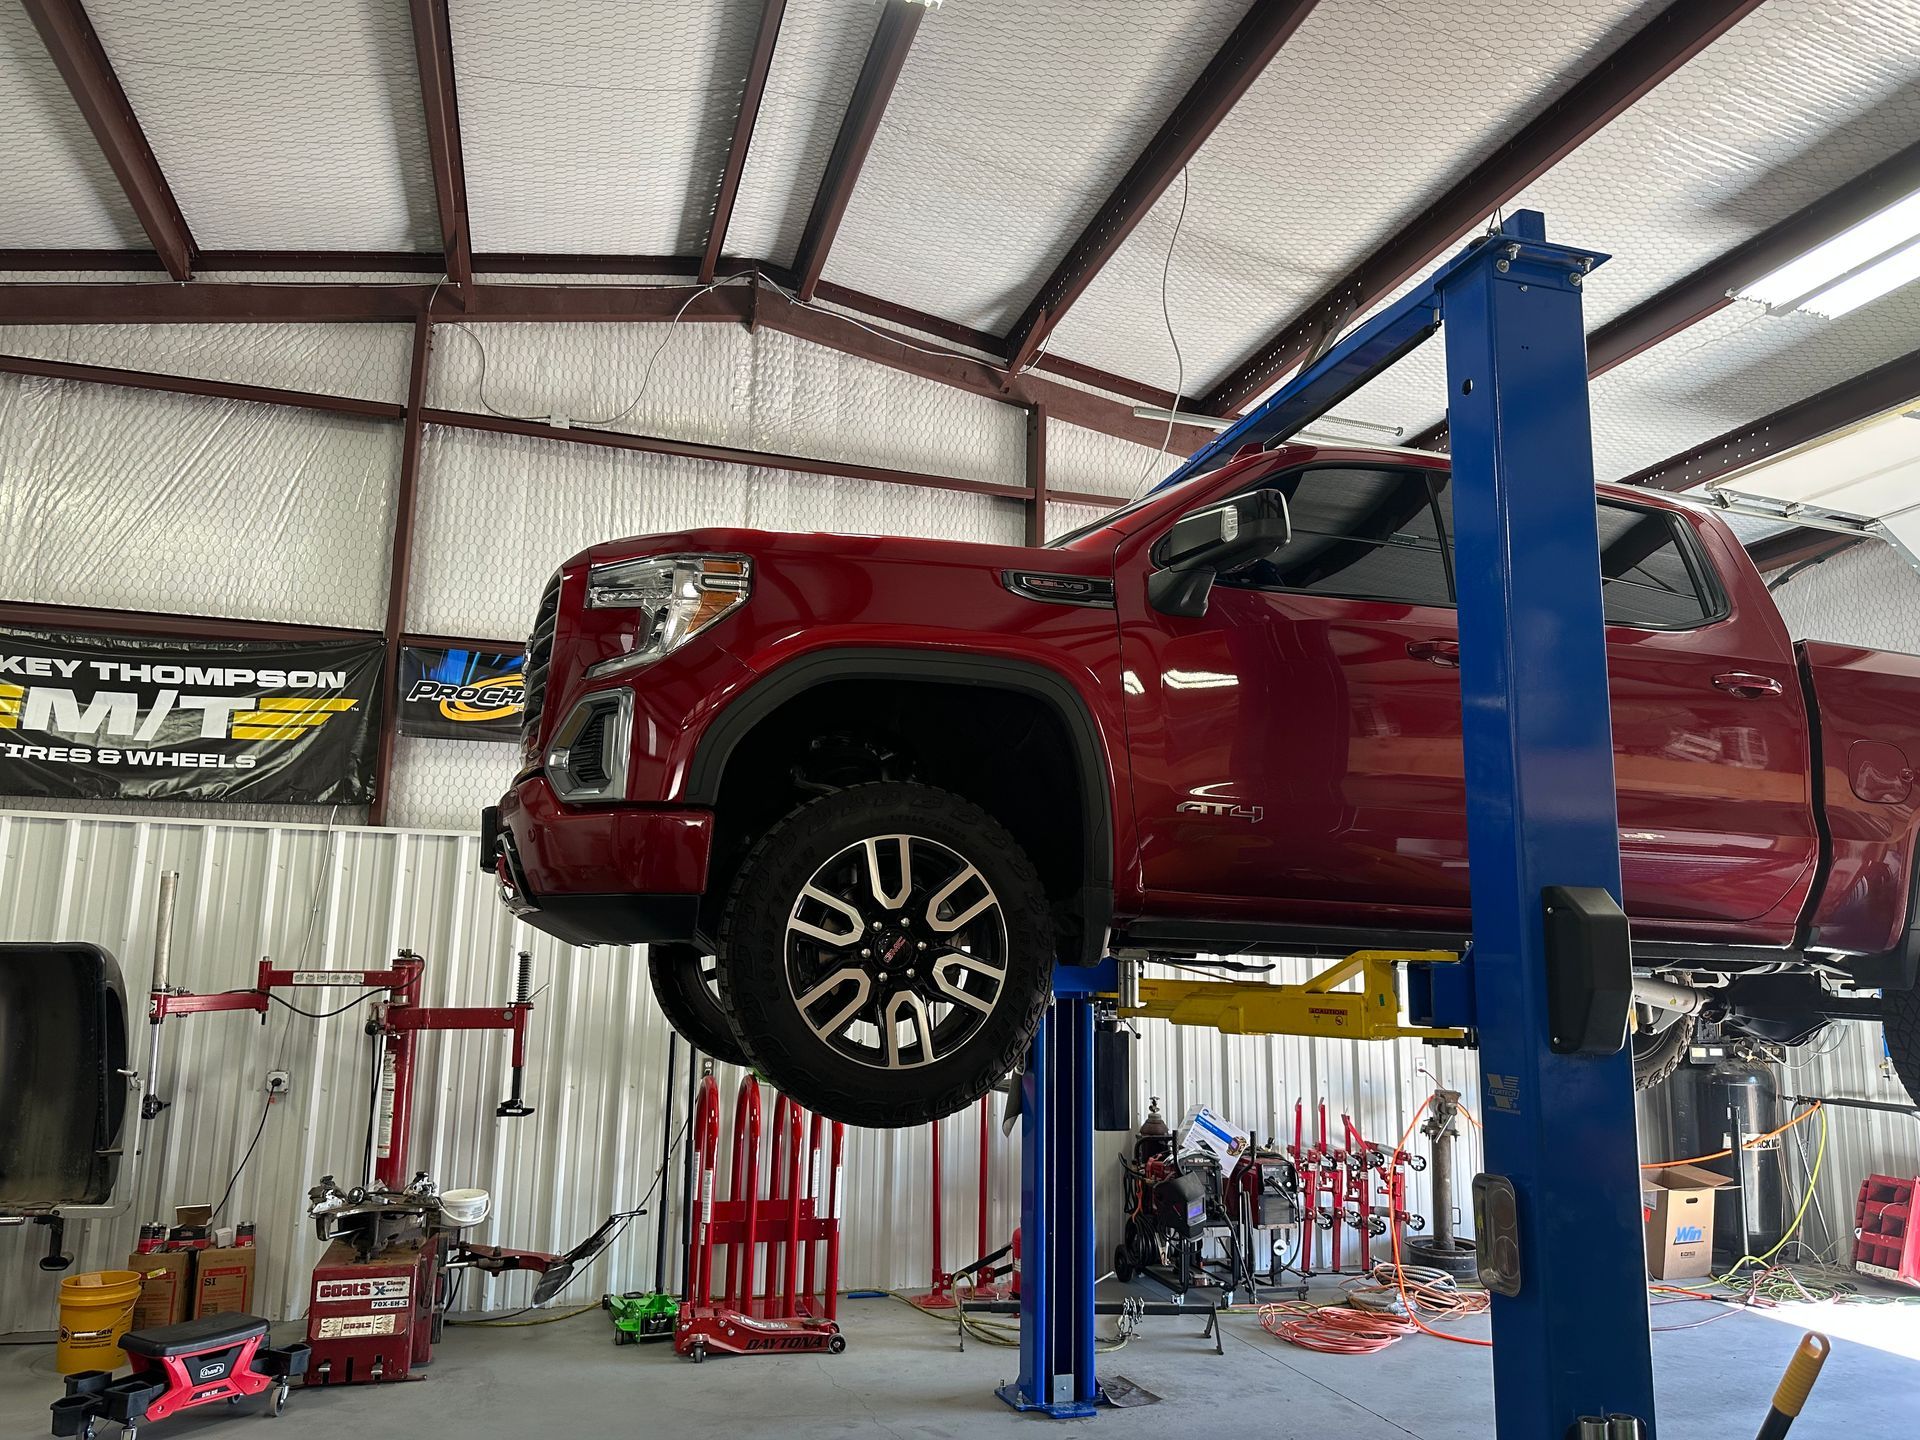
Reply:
x=1900 y=1018
x=684 y=988
x=1657 y=1054
x=886 y=953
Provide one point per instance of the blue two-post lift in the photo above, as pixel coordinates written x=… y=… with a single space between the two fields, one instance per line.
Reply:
x=1557 y=1210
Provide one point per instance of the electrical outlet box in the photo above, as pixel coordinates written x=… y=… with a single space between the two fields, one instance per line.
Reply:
x=278 y=1082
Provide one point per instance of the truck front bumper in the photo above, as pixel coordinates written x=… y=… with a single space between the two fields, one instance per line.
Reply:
x=599 y=875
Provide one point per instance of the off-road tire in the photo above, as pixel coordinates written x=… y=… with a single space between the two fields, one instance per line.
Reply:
x=1662 y=1054
x=1900 y=1018
x=690 y=1007
x=753 y=979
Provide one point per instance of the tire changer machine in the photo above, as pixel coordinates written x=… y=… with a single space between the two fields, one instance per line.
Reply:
x=379 y=1292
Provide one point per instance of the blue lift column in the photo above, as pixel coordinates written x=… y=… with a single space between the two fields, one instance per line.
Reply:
x=1057 y=1224
x=1572 y=1340
x=1557 y=1213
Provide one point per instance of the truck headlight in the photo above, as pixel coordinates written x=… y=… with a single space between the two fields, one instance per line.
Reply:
x=675 y=597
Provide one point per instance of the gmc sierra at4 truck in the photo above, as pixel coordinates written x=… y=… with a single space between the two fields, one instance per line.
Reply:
x=857 y=793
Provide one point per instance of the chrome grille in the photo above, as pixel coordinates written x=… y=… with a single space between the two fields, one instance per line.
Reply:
x=540 y=658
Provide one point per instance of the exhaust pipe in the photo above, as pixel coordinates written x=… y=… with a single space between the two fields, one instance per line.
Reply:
x=1664 y=996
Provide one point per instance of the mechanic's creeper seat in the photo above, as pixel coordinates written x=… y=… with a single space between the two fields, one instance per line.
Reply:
x=178 y=1367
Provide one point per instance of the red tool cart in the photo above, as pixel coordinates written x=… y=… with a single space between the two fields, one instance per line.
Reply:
x=770 y=1308
x=1886 y=1243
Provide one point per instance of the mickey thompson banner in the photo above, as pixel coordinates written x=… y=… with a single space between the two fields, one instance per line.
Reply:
x=107 y=717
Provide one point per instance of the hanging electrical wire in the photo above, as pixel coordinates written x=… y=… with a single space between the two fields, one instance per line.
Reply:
x=1179 y=359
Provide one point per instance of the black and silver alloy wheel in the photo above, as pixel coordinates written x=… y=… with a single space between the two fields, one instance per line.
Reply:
x=886 y=952
x=896 y=951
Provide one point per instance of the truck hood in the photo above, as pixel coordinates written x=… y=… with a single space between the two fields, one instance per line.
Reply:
x=771 y=546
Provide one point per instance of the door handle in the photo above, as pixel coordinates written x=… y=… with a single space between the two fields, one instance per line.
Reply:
x=1436 y=652
x=1748 y=686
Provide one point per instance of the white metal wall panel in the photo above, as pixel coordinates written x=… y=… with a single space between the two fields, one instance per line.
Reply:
x=138 y=500
x=280 y=127
x=1009 y=127
x=554 y=499
x=367 y=362
x=1850 y=1061
x=56 y=189
x=1408 y=97
x=442 y=784
x=815 y=64
x=1866 y=595
x=597 y=129
x=348 y=898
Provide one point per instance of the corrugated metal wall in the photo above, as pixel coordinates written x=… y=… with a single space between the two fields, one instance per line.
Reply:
x=349 y=897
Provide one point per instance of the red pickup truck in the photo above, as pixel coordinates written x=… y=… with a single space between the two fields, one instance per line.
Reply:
x=857 y=793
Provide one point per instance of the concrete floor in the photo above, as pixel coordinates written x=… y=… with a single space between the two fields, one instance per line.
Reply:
x=902 y=1376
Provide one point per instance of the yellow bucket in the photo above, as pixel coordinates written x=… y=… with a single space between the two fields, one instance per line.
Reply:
x=95 y=1311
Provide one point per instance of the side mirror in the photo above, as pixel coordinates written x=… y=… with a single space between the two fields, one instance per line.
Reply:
x=1219 y=538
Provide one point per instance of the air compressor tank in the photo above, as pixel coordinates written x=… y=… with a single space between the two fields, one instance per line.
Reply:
x=1720 y=1108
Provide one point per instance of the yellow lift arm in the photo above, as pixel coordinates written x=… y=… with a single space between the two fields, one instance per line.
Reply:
x=1318 y=1007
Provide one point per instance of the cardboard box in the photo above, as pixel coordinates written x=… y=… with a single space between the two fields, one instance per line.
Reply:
x=1678 y=1204
x=223 y=1281
x=165 y=1287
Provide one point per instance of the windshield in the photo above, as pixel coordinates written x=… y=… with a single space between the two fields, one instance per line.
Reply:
x=1061 y=542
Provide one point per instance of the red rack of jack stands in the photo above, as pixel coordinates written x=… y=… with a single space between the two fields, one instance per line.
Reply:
x=984 y=1287
x=795 y=1220
x=1361 y=1187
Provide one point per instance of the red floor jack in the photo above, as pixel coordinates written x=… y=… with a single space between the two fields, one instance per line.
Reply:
x=179 y=1367
x=800 y=1209
x=941 y=1295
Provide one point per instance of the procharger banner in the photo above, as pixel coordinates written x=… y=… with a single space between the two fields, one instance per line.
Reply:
x=104 y=717
x=461 y=694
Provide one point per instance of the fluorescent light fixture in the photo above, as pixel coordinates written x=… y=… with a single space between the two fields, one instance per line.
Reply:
x=1184 y=417
x=1863 y=286
x=1861 y=263
x=1217 y=423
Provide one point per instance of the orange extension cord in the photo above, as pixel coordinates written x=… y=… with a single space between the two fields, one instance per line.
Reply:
x=1744 y=1145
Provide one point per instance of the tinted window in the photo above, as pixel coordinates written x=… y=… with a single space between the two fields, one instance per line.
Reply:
x=1645 y=577
x=1368 y=534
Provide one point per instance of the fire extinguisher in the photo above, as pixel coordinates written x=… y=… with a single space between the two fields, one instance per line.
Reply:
x=1016 y=1262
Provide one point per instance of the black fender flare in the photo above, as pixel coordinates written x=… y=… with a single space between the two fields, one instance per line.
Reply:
x=767 y=694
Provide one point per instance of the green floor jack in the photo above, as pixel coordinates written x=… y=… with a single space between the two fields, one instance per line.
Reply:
x=639 y=1316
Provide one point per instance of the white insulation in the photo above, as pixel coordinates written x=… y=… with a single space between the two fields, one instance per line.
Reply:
x=140 y=500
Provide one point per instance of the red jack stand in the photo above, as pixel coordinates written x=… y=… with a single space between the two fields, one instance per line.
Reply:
x=801 y=1208
x=942 y=1296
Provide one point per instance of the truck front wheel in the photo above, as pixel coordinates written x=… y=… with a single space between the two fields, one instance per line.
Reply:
x=886 y=953
x=1900 y=1017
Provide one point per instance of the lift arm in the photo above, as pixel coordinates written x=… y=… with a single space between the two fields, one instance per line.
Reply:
x=1317 y=1007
